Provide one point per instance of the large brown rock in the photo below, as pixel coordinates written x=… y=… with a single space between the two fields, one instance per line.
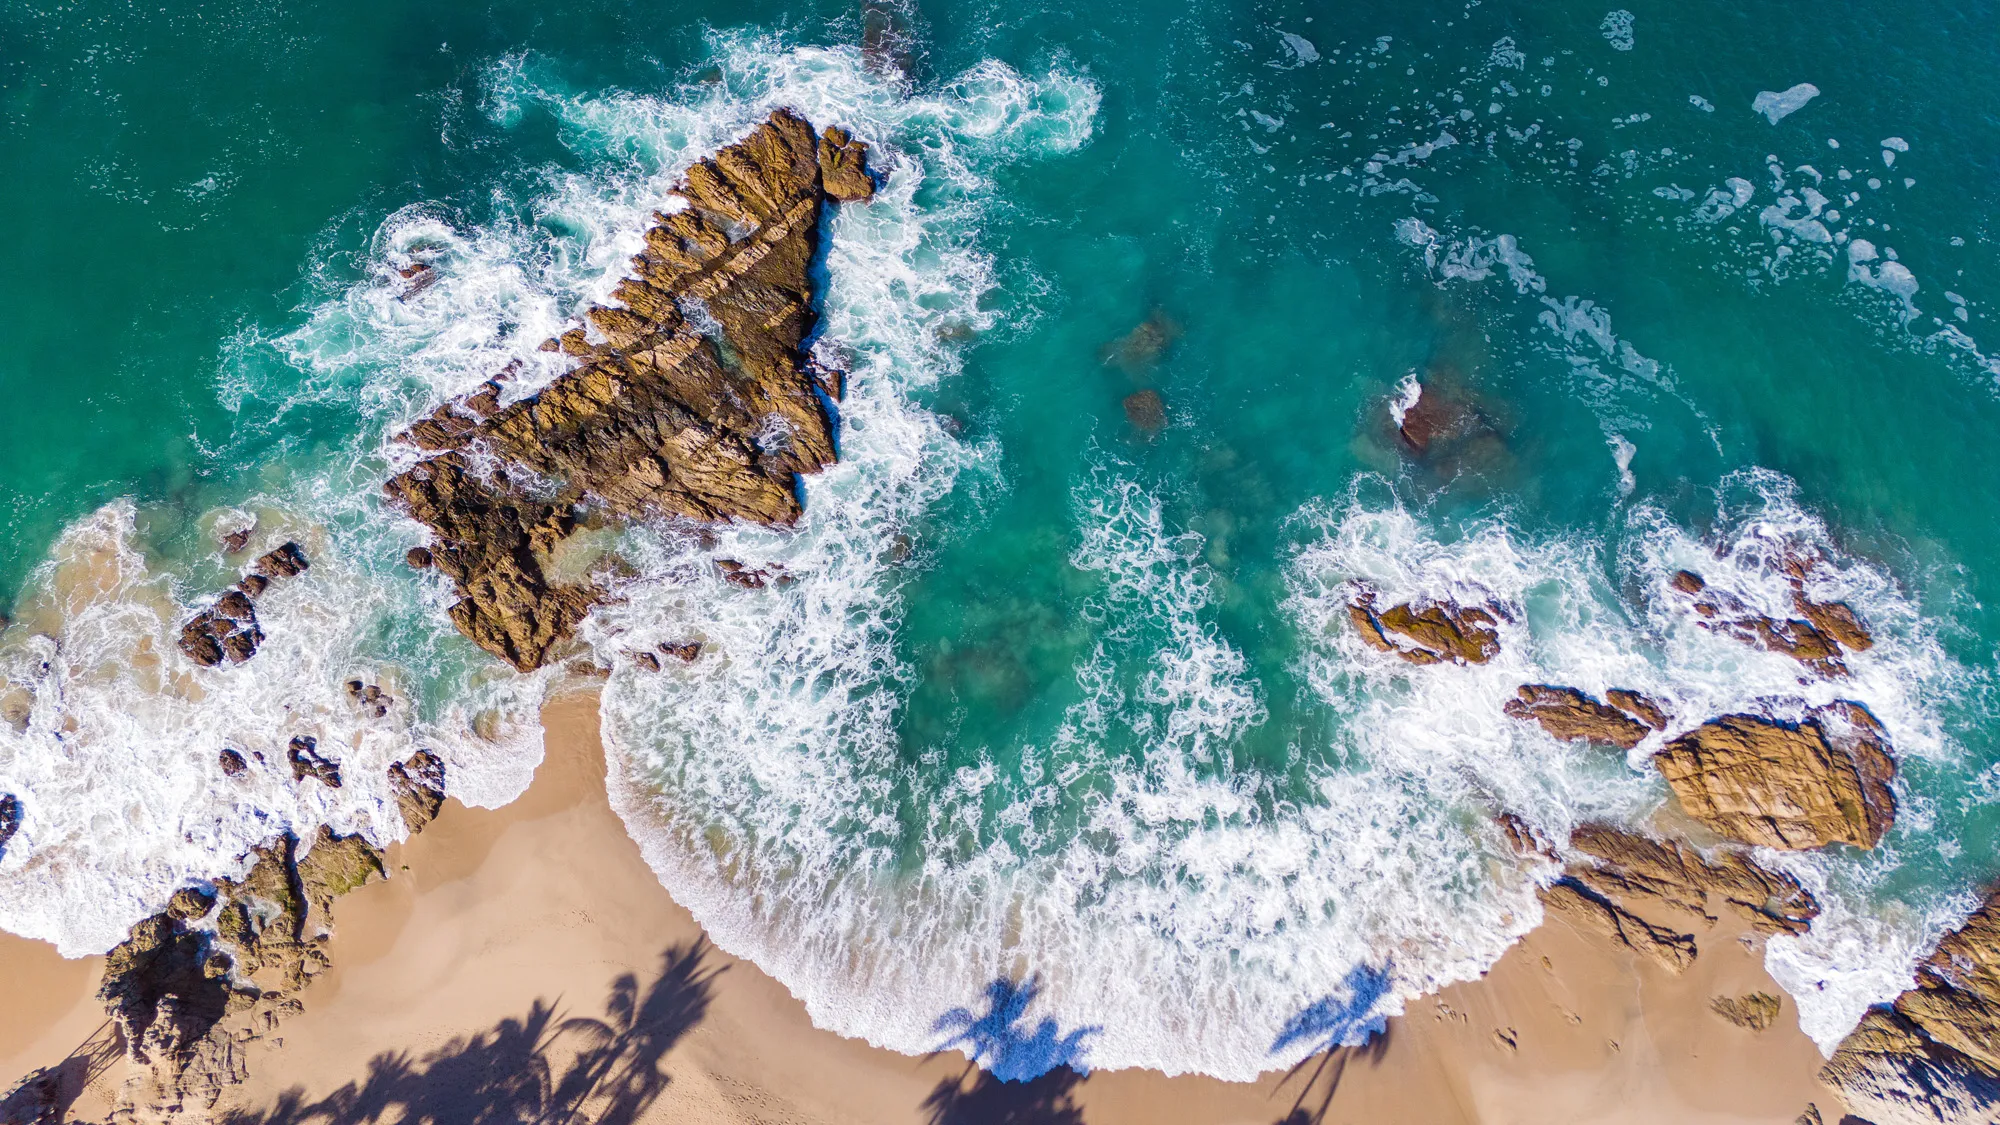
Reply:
x=1573 y=716
x=1786 y=785
x=696 y=400
x=1626 y=866
x=1427 y=633
x=1934 y=1055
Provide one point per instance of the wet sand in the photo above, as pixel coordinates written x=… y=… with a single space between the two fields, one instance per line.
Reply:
x=526 y=960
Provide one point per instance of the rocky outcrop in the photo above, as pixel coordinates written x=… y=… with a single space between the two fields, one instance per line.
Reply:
x=1933 y=1056
x=1786 y=785
x=1629 y=867
x=1427 y=633
x=10 y=819
x=1596 y=914
x=1819 y=637
x=695 y=399
x=223 y=965
x=1571 y=715
x=228 y=630
x=1616 y=874
x=1755 y=1011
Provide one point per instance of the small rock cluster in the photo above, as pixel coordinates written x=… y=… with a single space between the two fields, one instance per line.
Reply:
x=1818 y=638
x=228 y=630
x=1573 y=716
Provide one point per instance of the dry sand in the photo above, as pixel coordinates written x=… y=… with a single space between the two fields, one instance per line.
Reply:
x=481 y=976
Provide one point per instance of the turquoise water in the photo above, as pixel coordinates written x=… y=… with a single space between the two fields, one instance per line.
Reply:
x=1054 y=698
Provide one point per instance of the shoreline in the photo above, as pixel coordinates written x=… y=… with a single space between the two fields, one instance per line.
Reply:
x=497 y=926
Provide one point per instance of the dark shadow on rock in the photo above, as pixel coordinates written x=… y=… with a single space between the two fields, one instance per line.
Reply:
x=539 y=1069
x=1343 y=1028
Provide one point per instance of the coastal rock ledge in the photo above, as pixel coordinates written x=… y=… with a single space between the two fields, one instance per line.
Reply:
x=694 y=399
x=1932 y=1057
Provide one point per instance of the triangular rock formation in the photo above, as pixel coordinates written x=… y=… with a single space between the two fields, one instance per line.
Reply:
x=699 y=400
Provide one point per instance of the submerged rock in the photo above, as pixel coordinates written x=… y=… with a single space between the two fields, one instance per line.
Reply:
x=1573 y=716
x=1786 y=785
x=1142 y=348
x=1147 y=411
x=695 y=400
x=1933 y=1056
x=1435 y=633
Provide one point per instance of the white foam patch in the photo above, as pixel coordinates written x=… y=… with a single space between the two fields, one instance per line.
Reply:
x=1776 y=106
x=116 y=759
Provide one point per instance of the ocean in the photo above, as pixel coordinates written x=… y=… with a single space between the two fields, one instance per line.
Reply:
x=1057 y=746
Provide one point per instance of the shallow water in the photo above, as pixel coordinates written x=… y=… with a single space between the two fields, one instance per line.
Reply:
x=1060 y=698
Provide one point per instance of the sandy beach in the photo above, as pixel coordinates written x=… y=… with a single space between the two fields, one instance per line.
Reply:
x=510 y=945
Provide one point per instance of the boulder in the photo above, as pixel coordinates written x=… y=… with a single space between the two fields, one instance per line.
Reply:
x=419 y=786
x=1932 y=1056
x=1755 y=1011
x=1434 y=633
x=1573 y=716
x=695 y=399
x=1596 y=914
x=10 y=819
x=1786 y=785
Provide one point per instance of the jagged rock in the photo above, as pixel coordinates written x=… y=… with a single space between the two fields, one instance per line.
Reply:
x=418 y=558
x=697 y=402
x=1435 y=633
x=419 y=786
x=684 y=651
x=1755 y=1011
x=1573 y=716
x=1891 y=1069
x=1147 y=411
x=1786 y=785
x=1672 y=951
x=649 y=661
x=1817 y=638
x=232 y=762
x=1638 y=706
x=303 y=754
x=1631 y=866
x=287 y=561
x=843 y=166
x=1934 y=1055
x=10 y=819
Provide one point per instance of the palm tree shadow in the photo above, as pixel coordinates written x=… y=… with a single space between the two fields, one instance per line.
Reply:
x=1018 y=1073
x=1335 y=1024
x=537 y=1069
